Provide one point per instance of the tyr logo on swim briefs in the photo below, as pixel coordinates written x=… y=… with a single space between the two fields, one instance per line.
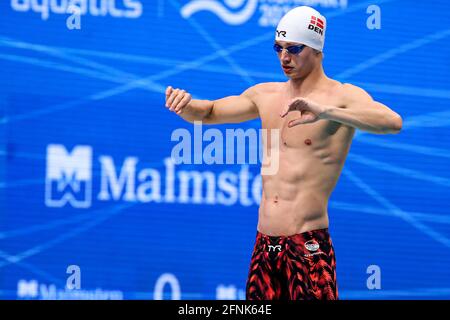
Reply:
x=281 y=33
x=316 y=25
x=273 y=248
x=312 y=245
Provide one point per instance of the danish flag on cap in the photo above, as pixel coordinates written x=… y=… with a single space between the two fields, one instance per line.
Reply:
x=317 y=22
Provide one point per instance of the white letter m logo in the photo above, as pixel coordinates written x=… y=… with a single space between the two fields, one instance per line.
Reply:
x=68 y=176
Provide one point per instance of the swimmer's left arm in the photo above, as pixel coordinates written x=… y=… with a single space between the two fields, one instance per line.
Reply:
x=360 y=111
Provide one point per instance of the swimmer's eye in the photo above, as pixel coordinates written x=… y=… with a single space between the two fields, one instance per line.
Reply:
x=291 y=49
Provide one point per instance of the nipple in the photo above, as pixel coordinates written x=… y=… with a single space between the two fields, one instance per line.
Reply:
x=308 y=142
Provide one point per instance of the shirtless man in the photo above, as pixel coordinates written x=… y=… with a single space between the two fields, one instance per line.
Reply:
x=293 y=257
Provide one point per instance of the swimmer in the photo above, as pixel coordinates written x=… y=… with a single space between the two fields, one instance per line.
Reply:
x=317 y=116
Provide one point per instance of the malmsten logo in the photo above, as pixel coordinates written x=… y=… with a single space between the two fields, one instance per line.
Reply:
x=316 y=25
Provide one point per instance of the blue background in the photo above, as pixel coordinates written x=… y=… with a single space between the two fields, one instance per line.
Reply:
x=69 y=87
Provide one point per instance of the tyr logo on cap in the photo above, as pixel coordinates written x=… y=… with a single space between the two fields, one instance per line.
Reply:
x=281 y=33
x=316 y=25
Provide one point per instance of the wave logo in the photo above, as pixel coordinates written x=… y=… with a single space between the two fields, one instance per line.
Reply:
x=238 y=12
x=228 y=11
x=68 y=177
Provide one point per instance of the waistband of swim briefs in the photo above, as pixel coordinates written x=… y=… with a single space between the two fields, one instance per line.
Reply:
x=306 y=234
x=319 y=235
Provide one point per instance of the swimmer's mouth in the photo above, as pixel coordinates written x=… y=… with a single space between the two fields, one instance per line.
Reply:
x=287 y=68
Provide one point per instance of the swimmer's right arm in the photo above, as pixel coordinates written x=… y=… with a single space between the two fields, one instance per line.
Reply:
x=232 y=109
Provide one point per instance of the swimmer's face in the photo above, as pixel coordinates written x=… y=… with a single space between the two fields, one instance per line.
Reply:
x=296 y=65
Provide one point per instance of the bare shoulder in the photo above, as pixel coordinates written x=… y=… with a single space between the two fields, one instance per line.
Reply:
x=351 y=92
x=264 y=88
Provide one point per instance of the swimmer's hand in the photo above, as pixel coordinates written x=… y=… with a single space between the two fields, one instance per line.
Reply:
x=177 y=99
x=309 y=111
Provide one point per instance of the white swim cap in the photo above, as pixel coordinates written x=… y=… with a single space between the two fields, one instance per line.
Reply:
x=304 y=25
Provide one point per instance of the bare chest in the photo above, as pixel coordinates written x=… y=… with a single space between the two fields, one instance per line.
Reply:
x=302 y=136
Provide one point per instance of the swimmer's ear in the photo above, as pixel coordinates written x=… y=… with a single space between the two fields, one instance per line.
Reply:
x=318 y=52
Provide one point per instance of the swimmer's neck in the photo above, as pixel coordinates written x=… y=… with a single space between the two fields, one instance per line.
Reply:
x=303 y=85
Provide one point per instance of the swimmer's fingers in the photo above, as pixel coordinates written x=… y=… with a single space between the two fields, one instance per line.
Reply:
x=290 y=107
x=177 y=100
x=173 y=95
x=306 y=117
x=295 y=104
x=306 y=107
x=168 y=92
x=183 y=103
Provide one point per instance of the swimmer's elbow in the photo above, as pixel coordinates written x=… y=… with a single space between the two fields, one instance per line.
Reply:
x=392 y=125
x=397 y=124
